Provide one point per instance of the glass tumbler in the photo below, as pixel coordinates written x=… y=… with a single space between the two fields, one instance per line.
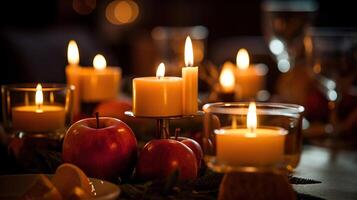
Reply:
x=231 y=144
x=37 y=110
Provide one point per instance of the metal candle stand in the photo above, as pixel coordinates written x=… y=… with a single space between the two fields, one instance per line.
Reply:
x=163 y=123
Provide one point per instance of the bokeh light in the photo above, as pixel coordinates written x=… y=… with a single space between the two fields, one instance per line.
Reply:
x=120 y=12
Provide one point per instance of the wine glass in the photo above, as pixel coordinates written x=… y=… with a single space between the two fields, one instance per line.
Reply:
x=334 y=63
x=284 y=25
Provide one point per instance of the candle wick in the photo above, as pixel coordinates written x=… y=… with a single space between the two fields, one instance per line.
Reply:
x=97 y=118
x=159 y=77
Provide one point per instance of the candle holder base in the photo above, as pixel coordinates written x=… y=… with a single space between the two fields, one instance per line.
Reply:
x=53 y=135
x=163 y=122
x=255 y=186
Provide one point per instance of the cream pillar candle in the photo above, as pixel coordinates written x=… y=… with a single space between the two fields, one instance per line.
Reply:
x=99 y=83
x=190 y=81
x=39 y=117
x=251 y=145
x=158 y=96
x=249 y=78
x=73 y=74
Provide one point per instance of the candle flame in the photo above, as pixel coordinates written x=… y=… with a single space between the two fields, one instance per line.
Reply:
x=188 y=52
x=39 y=96
x=252 y=117
x=99 y=62
x=242 y=59
x=226 y=78
x=72 y=53
x=160 y=72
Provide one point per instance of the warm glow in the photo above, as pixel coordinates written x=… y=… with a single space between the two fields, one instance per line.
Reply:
x=160 y=72
x=226 y=79
x=242 y=59
x=73 y=53
x=252 y=117
x=121 y=12
x=39 y=96
x=188 y=52
x=99 y=62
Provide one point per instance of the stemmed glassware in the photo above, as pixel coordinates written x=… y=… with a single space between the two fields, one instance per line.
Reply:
x=284 y=25
x=334 y=63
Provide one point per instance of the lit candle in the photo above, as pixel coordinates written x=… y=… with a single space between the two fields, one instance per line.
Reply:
x=157 y=96
x=251 y=145
x=226 y=78
x=190 y=81
x=99 y=83
x=39 y=117
x=249 y=78
x=73 y=74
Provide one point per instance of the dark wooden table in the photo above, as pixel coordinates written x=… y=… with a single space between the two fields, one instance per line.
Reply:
x=336 y=169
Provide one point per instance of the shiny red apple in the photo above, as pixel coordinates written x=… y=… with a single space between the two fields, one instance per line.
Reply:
x=160 y=158
x=103 y=148
x=194 y=146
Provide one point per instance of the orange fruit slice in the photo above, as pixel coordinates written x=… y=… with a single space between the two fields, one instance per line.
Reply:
x=68 y=177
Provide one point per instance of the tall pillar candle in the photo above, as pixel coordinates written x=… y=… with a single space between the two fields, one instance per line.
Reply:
x=190 y=81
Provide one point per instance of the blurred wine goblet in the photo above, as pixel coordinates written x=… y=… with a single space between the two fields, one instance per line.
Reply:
x=334 y=63
x=284 y=25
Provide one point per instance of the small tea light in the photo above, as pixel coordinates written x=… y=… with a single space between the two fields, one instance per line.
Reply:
x=251 y=145
x=37 y=110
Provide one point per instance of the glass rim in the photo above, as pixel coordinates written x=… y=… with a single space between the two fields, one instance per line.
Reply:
x=31 y=87
x=292 y=6
x=263 y=108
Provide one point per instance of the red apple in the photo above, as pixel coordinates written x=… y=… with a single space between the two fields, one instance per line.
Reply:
x=105 y=149
x=194 y=146
x=162 y=157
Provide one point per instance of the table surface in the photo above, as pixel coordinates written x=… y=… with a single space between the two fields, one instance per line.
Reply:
x=336 y=169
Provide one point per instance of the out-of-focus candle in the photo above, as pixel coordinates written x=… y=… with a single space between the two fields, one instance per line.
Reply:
x=249 y=78
x=157 y=96
x=99 y=83
x=251 y=145
x=190 y=81
x=73 y=74
x=38 y=117
x=226 y=78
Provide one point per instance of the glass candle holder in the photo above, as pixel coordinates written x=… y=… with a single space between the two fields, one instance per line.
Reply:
x=241 y=138
x=37 y=110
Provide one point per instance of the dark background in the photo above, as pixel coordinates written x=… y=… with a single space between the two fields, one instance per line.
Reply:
x=34 y=34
